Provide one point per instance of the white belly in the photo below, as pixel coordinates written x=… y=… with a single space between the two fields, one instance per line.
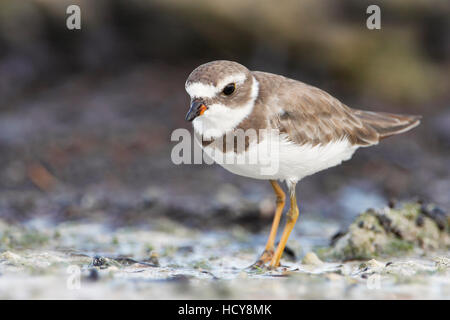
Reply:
x=280 y=159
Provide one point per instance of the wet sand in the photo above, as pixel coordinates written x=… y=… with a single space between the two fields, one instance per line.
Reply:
x=76 y=260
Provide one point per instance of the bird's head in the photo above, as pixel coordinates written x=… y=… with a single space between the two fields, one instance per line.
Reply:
x=223 y=94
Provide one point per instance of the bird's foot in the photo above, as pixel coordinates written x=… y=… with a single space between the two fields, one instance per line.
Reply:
x=263 y=263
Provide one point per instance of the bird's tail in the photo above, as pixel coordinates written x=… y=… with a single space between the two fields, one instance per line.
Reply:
x=388 y=124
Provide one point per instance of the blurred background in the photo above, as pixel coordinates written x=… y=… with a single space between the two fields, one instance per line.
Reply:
x=86 y=115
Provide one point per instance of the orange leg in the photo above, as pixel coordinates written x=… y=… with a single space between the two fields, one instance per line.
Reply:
x=292 y=216
x=267 y=255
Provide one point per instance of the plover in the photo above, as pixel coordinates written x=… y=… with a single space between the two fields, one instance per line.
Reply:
x=313 y=130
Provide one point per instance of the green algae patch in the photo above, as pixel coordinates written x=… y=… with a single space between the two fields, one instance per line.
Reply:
x=391 y=232
x=22 y=238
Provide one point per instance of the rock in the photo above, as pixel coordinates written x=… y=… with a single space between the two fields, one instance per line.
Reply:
x=442 y=263
x=104 y=262
x=10 y=256
x=98 y=261
x=441 y=217
x=312 y=259
x=375 y=265
x=154 y=259
x=392 y=232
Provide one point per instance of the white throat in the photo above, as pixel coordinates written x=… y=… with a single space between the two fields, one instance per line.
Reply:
x=219 y=119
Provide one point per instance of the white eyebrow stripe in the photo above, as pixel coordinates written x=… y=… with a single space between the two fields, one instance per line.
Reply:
x=201 y=90
x=235 y=78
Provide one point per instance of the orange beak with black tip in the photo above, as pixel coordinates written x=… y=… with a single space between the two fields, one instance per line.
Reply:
x=197 y=109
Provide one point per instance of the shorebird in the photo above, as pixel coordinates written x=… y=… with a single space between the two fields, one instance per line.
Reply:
x=314 y=131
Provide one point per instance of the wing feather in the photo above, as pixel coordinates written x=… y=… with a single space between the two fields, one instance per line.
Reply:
x=310 y=115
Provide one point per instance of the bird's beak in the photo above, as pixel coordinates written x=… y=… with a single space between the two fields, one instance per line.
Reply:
x=197 y=109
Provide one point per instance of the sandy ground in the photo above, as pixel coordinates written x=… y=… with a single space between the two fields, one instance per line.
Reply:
x=167 y=261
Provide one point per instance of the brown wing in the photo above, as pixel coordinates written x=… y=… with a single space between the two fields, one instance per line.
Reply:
x=310 y=115
x=387 y=124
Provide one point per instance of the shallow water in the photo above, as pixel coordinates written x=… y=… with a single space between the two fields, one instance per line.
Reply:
x=169 y=261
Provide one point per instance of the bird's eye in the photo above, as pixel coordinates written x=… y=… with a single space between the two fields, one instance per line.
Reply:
x=229 y=89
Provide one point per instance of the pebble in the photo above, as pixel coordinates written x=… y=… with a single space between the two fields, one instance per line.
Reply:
x=442 y=262
x=312 y=259
x=9 y=256
x=374 y=264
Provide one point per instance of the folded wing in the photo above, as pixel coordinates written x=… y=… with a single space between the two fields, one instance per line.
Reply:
x=307 y=114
